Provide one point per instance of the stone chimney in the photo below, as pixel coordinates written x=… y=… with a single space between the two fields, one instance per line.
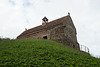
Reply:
x=44 y=21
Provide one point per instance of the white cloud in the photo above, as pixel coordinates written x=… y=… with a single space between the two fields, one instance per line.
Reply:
x=16 y=15
x=12 y=2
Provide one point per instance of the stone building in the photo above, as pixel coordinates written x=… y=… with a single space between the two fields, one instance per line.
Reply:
x=61 y=30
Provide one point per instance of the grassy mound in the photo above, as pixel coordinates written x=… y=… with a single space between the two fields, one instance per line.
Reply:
x=42 y=53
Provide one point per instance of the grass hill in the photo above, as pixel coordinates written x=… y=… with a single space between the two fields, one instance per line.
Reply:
x=42 y=53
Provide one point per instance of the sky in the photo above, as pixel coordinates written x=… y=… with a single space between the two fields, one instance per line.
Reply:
x=16 y=15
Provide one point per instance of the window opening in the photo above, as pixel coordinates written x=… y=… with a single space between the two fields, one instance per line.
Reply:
x=73 y=46
x=44 y=37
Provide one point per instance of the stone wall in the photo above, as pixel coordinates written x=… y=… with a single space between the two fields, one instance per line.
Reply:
x=65 y=35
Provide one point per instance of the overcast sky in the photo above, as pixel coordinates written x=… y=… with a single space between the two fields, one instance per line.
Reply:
x=16 y=15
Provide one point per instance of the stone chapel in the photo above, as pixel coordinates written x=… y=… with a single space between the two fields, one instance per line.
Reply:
x=61 y=30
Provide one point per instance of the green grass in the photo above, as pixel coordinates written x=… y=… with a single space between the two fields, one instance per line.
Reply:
x=42 y=53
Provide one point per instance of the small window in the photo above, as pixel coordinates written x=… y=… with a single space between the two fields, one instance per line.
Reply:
x=44 y=37
x=73 y=46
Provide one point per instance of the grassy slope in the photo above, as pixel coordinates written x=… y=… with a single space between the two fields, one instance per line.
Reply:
x=41 y=53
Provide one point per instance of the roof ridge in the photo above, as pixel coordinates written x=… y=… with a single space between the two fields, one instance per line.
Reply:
x=58 y=18
x=50 y=22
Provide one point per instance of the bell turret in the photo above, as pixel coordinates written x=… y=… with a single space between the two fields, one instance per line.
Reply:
x=44 y=21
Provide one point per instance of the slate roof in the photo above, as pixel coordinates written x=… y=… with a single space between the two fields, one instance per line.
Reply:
x=48 y=25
